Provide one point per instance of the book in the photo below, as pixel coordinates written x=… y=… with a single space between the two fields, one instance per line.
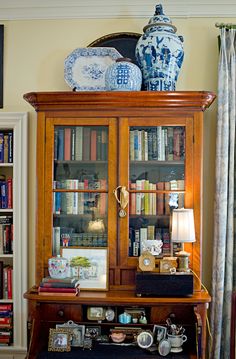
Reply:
x=5 y=156
x=49 y=279
x=160 y=199
x=1 y=285
x=5 y=307
x=1 y=147
x=10 y=147
x=72 y=143
x=59 y=284
x=60 y=144
x=59 y=290
x=78 y=143
x=67 y=146
x=93 y=150
x=86 y=143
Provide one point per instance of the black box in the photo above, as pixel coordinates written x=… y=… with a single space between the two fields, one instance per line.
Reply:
x=154 y=284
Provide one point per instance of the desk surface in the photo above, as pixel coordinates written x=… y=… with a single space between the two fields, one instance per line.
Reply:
x=115 y=297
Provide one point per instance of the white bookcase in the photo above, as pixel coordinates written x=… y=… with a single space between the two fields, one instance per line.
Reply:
x=17 y=170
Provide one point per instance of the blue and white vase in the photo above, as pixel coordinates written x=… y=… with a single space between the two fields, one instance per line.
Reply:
x=159 y=53
x=123 y=75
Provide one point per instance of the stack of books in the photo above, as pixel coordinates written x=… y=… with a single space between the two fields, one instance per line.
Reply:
x=6 y=324
x=59 y=286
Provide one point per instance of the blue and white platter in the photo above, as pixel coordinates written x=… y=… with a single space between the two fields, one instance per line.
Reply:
x=84 y=68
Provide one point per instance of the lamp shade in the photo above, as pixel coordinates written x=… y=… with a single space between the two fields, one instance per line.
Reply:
x=183 y=229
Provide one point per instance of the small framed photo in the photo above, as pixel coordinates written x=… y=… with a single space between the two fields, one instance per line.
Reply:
x=159 y=333
x=90 y=265
x=76 y=332
x=96 y=313
x=93 y=331
x=59 y=340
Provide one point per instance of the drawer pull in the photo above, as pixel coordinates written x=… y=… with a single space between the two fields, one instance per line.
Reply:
x=60 y=313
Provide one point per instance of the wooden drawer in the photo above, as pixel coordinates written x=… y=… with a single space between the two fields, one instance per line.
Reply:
x=60 y=312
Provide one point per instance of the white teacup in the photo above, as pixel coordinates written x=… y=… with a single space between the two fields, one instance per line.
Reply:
x=177 y=341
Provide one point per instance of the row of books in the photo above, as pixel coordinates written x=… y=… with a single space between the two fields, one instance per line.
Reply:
x=157 y=143
x=6 y=279
x=6 y=324
x=93 y=184
x=154 y=203
x=6 y=147
x=6 y=200
x=63 y=237
x=79 y=203
x=139 y=236
x=80 y=143
x=59 y=285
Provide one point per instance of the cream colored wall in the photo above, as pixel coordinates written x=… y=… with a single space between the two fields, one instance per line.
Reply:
x=34 y=53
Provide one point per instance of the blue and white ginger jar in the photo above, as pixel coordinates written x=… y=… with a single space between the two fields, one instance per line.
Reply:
x=159 y=53
x=123 y=75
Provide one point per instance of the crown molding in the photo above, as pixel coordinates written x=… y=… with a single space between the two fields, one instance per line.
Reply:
x=91 y=9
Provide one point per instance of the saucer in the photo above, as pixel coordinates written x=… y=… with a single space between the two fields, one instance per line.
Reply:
x=176 y=350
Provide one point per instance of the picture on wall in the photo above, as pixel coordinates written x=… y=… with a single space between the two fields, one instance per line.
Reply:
x=1 y=64
x=90 y=265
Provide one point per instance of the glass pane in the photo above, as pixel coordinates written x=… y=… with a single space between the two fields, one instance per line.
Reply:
x=80 y=170
x=157 y=167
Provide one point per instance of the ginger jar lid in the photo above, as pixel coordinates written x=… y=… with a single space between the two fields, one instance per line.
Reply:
x=160 y=19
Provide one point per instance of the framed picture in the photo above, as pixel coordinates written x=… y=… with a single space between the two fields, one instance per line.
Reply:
x=93 y=331
x=76 y=332
x=159 y=333
x=96 y=313
x=90 y=265
x=1 y=63
x=59 y=340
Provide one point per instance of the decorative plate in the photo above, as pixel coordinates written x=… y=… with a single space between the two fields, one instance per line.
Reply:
x=85 y=68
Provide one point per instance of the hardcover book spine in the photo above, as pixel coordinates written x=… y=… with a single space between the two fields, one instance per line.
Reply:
x=10 y=147
x=1 y=148
x=67 y=147
x=5 y=148
x=79 y=143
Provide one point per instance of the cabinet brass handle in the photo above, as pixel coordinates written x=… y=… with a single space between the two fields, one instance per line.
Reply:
x=122 y=197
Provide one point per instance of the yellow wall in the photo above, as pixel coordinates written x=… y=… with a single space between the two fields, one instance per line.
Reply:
x=34 y=53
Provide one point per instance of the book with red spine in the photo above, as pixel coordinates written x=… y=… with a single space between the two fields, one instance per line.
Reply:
x=67 y=147
x=9 y=193
x=5 y=307
x=9 y=282
x=71 y=291
x=93 y=151
x=6 y=320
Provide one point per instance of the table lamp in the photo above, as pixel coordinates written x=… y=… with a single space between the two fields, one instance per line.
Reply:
x=183 y=231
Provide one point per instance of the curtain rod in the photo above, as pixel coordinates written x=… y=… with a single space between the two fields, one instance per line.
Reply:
x=225 y=25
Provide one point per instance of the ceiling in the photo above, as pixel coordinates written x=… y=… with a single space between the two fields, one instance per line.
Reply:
x=63 y=9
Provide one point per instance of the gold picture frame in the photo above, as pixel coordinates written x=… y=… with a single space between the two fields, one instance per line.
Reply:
x=59 y=340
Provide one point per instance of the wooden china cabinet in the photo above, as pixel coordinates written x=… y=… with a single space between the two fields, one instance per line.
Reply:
x=88 y=145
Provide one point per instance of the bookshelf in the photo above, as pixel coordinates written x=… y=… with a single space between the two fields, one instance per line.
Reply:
x=13 y=235
x=150 y=145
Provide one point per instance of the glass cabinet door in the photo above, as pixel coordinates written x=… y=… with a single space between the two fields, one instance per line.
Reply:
x=156 y=186
x=80 y=186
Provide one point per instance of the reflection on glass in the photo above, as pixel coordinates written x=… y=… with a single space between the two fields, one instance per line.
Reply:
x=157 y=156
x=80 y=165
x=87 y=227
